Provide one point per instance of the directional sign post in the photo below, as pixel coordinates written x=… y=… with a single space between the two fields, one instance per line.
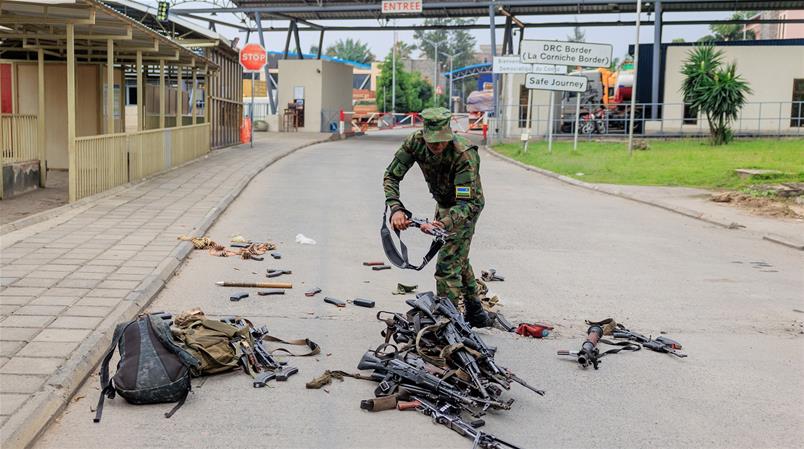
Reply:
x=561 y=83
x=579 y=54
x=554 y=83
x=566 y=53
x=513 y=64
x=253 y=58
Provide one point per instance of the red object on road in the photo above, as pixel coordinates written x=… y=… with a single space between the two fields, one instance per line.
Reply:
x=534 y=330
x=245 y=130
x=253 y=57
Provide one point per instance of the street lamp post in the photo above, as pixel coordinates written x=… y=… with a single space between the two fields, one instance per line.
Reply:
x=451 y=58
x=435 y=71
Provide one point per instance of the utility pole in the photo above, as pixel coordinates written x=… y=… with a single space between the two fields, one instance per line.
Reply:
x=435 y=71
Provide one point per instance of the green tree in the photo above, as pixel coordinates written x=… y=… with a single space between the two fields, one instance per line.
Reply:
x=679 y=40
x=454 y=42
x=731 y=32
x=577 y=35
x=404 y=50
x=352 y=50
x=412 y=92
x=714 y=89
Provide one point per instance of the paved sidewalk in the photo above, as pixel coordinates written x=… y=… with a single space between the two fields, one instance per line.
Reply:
x=696 y=202
x=693 y=203
x=65 y=282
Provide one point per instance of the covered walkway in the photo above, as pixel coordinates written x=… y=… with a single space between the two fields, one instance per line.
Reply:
x=63 y=76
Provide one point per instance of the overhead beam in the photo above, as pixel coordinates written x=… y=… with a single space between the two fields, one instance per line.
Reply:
x=545 y=25
x=216 y=21
x=59 y=46
x=478 y=6
x=84 y=37
x=13 y=19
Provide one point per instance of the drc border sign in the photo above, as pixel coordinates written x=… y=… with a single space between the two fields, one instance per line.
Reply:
x=513 y=64
x=253 y=57
x=566 y=53
x=563 y=83
x=401 y=6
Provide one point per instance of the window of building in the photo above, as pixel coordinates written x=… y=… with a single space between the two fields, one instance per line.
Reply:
x=797 y=109
x=131 y=95
x=690 y=115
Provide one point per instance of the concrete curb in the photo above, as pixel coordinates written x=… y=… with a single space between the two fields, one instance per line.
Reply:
x=779 y=240
x=24 y=426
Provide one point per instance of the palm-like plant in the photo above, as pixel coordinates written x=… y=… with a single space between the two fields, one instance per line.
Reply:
x=717 y=91
x=351 y=50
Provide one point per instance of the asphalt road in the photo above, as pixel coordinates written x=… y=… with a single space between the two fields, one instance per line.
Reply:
x=568 y=254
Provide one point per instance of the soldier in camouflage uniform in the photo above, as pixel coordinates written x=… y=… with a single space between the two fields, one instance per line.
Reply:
x=451 y=168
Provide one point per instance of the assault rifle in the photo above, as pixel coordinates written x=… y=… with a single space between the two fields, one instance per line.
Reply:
x=398 y=328
x=428 y=303
x=462 y=358
x=438 y=233
x=446 y=416
x=394 y=373
x=267 y=367
x=659 y=344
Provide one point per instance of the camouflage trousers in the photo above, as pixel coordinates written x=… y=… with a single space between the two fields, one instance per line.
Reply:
x=454 y=276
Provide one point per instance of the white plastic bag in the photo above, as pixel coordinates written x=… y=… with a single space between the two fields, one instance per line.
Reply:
x=300 y=238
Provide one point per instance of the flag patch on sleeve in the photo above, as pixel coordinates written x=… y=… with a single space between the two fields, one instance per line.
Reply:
x=464 y=192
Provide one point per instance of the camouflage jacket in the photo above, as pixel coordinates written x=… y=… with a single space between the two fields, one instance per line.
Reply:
x=453 y=177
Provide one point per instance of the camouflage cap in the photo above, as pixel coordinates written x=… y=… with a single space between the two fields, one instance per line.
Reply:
x=436 y=125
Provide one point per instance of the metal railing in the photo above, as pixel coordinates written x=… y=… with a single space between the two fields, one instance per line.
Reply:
x=101 y=162
x=769 y=118
x=19 y=140
x=110 y=160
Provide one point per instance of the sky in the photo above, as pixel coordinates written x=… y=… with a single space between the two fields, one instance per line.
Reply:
x=381 y=42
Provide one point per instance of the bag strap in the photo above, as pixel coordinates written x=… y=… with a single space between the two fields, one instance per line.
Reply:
x=399 y=258
x=227 y=329
x=313 y=347
x=179 y=404
x=107 y=389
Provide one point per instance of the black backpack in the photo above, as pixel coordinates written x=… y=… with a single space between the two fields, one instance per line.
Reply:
x=152 y=368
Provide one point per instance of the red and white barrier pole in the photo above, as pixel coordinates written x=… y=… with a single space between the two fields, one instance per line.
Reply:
x=340 y=123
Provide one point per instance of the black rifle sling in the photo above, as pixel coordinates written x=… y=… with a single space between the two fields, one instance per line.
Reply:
x=623 y=346
x=399 y=258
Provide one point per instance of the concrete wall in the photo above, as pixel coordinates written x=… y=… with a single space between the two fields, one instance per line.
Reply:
x=327 y=88
x=87 y=96
x=337 y=90
x=770 y=71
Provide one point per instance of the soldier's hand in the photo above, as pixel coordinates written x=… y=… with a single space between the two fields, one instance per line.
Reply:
x=400 y=221
x=427 y=228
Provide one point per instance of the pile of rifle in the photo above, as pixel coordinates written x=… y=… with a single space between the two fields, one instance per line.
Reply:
x=433 y=361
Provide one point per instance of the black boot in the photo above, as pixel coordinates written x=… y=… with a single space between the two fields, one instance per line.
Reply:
x=475 y=315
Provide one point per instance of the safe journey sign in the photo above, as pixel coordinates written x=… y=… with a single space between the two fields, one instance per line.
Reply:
x=563 y=83
x=513 y=64
x=566 y=53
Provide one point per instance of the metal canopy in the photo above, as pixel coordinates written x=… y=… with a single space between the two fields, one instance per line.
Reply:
x=371 y=9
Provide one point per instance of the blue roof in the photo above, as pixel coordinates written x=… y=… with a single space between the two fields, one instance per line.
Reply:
x=359 y=65
x=469 y=67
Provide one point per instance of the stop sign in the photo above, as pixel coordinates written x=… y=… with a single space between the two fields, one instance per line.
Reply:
x=253 y=57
